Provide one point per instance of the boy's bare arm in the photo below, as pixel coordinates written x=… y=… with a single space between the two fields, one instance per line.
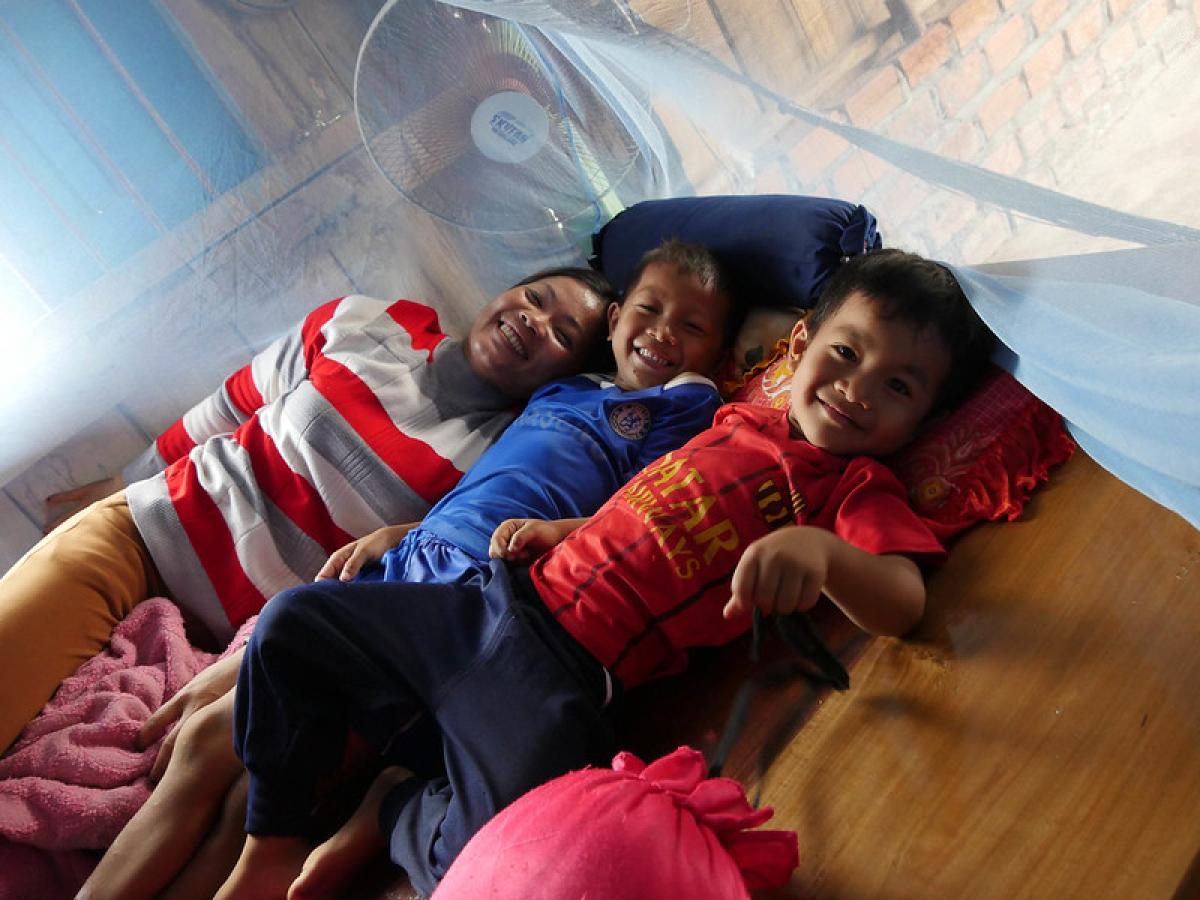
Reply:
x=522 y=540
x=788 y=569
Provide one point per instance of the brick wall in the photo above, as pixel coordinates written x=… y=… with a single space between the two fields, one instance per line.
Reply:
x=1002 y=84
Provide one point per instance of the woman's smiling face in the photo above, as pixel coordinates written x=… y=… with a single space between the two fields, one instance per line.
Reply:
x=534 y=333
x=864 y=383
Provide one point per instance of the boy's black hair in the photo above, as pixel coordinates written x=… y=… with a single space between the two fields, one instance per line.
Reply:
x=703 y=265
x=599 y=355
x=924 y=294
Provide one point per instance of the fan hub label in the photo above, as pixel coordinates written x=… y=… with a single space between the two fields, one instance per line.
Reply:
x=509 y=127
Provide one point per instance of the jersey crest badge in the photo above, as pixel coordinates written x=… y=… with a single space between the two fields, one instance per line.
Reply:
x=630 y=420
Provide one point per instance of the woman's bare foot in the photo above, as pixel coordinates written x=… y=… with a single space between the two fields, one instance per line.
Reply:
x=330 y=866
x=266 y=868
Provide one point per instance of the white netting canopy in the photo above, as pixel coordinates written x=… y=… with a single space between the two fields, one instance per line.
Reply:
x=182 y=181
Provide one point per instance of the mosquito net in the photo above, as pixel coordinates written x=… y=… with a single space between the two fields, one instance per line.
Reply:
x=183 y=180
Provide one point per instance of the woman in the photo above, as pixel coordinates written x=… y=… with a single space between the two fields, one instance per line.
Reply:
x=364 y=415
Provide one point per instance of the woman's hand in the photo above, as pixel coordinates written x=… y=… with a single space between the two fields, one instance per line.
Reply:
x=64 y=504
x=207 y=687
x=346 y=562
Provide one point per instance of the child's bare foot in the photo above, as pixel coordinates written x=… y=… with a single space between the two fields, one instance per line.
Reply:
x=330 y=867
x=266 y=868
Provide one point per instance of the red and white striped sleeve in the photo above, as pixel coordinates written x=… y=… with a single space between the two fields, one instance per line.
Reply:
x=273 y=371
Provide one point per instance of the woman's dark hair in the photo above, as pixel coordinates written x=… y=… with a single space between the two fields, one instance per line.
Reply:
x=925 y=294
x=594 y=281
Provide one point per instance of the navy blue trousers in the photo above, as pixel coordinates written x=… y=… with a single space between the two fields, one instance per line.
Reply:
x=515 y=701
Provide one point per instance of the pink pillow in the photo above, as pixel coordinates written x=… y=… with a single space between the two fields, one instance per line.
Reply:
x=979 y=462
x=661 y=831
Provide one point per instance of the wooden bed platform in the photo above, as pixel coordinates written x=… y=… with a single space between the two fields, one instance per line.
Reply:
x=1038 y=736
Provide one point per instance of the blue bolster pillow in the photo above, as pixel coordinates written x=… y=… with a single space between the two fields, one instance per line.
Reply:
x=779 y=248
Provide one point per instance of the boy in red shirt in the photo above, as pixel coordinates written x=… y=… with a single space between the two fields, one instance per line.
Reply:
x=509 y=680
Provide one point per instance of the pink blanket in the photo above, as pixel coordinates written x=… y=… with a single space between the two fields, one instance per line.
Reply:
x=75 y=776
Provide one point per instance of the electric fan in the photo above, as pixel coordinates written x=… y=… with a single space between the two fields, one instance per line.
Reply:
x=487 y=124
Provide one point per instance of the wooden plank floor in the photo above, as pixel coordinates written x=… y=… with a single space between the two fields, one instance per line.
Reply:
x=1038 y=736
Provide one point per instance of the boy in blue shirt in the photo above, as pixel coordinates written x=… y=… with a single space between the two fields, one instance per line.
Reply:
x=579 y=438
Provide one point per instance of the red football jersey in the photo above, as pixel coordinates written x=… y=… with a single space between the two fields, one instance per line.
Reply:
x=647 y=577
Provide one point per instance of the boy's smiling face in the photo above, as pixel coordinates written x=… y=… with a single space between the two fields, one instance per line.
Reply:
x=864 y=383
x=669 y=324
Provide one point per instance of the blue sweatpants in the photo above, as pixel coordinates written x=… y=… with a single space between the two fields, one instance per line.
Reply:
x=515 y=699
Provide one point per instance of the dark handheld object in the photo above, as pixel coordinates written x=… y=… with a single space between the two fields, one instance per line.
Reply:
x=809 y=660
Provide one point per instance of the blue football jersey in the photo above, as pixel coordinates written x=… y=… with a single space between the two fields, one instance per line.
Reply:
x=578 y=441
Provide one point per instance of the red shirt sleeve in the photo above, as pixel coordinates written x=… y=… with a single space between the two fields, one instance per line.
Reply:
x=874 y=514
